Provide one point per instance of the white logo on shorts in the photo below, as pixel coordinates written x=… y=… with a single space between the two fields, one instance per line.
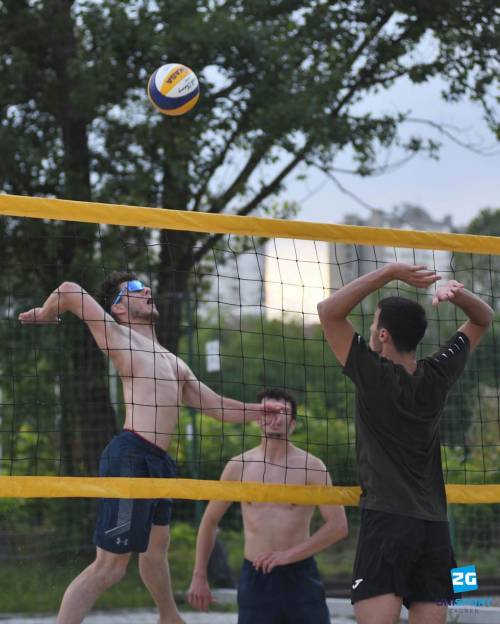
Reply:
x=356 y=583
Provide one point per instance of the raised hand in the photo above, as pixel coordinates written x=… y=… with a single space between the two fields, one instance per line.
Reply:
x=417 y=275
x=447 y=292
x=38 y=315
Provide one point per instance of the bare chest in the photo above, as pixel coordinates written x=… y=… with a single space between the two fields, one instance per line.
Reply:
x=152 y=365
x=276 y=518
x=266 y=472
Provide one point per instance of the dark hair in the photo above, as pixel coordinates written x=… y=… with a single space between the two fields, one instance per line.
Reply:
x=404 y=319
x=111 y=287
x=279 y=394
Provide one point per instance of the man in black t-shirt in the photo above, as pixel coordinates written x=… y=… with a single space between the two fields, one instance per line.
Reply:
x=404 y=552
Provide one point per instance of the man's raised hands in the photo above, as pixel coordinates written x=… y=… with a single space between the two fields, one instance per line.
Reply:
x=447 y=292
x=417 y=275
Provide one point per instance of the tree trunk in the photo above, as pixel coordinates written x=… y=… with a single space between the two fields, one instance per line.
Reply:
x=173 y=285
x=88 y=417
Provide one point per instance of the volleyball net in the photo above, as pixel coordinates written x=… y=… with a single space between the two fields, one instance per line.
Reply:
x=237 y=299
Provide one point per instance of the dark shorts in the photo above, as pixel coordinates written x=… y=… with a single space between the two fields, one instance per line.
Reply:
x=405 y=556
x=123 y=525
x=291 y=594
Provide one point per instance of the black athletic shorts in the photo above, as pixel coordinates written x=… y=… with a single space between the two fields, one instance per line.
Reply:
x=406 y=556
x=291 y=594
x=124 y=525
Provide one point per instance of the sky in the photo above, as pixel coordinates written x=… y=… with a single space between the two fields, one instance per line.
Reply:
x=460 y=183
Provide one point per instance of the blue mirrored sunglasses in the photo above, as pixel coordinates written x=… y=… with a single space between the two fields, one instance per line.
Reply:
x=132 y=286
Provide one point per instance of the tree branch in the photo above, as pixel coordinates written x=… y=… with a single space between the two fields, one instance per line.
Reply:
x=267 y=190
x=216 y=162
x=356 y=55
x=446 y=130
x=346 y=191
x=253 y=161
x=376 y=171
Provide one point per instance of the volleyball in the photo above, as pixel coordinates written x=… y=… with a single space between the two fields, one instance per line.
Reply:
x=173 y=89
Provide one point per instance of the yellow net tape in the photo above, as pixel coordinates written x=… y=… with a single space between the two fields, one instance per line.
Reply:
x=112 y=214
x=193 y=489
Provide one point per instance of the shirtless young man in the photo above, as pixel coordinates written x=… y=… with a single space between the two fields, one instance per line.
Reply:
x=279 y=582
x=155 y=384
x=404 y=552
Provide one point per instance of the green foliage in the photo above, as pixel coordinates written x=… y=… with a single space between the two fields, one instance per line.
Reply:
x=486 y=223
x=475 y=460
x=481 y=273
x=259 y=353
x=30 y=585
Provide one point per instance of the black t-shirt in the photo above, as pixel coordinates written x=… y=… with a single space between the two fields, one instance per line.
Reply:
x=397 y=427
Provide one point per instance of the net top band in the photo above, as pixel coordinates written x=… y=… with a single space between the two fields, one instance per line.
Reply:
x=116 y=214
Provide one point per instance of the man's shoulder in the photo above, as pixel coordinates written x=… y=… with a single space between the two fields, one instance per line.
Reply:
x=301 y=459
x=314 y=462
x=251 y=455
x=239 y=458
x=235 y=468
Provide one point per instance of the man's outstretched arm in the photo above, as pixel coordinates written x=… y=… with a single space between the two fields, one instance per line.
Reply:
x=334 y=310
x=199 y=396
x=71 y=297
x=479 y=312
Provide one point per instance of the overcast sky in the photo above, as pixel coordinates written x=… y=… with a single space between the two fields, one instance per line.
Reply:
x=460 y=183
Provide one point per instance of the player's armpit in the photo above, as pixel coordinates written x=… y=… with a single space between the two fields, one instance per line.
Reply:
x=338 y=333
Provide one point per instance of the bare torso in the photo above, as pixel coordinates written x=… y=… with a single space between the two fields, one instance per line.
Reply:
x=152 y=379
x=269 y=526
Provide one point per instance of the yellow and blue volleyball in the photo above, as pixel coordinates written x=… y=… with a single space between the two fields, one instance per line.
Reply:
x=173 y=89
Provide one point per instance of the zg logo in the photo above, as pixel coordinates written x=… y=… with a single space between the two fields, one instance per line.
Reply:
x=464 y=579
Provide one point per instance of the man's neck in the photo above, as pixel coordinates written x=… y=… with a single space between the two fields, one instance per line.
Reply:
x=144 y=329
x=407 y=360
x=275 y=450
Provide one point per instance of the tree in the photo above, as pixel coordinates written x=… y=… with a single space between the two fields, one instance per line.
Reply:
x=484 y=276
x=280 y=82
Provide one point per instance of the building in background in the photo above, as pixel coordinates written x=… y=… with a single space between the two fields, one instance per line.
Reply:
x=347 y=262
x=284 y=279
x=230 y=279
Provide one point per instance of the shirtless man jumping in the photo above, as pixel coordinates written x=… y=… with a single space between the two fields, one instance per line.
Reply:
x=279 y=582
x=155 y=384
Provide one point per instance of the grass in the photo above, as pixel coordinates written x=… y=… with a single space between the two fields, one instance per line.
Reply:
x=37 y=586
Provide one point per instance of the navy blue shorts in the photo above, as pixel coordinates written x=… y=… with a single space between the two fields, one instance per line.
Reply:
x=291 y=594
x=123 y=525
x=401 y=555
